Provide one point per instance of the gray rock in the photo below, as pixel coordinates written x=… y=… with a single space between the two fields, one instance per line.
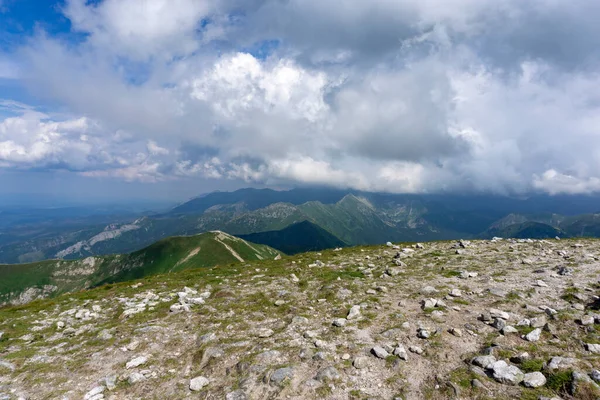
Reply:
x=477 y=384
x=560 y=363
x=280 y=375
x=400 y=351
x=428 y=303
x=105 y=335
x=593 y=348
x=423 y=333
x=265 y=333
x=236 y=395
x=565 y=271
x=198 y=383
x=587 y=320
x=310 y=334
x=327 y=374
x=7 y=365
x=537 y=322
x=495 y=313
x=392 y=333
x=595 y=375
x=415 y=349
x=520 y=358
x=499 y=323
x=136 y=362
x=135 y=377
x=95 y=393
x=534 y=379
x=579 y=377
x=339 y=322
x=111 y=382
x=505 y=373
x=509 y=329
x=354 y=312
x=269 y=357
x=428 y=290
x=477 y=371
x=298 y=320
x=361 y=362
x=379 y=352
x=456 y=332
x=483 y=361
x=209 y=337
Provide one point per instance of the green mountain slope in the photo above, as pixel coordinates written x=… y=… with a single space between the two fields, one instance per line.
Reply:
x=526 y=230
x=20 y=283
x=297 y=238
x=353 y=217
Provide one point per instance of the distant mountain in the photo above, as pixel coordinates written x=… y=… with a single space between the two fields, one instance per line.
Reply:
x=297 y=238
x=258 y=198
x=526 y=230
x=351 y=216
x=23 y=282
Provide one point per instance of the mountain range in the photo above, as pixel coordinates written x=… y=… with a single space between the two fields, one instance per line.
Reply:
x=336 y=217
x=22 y=283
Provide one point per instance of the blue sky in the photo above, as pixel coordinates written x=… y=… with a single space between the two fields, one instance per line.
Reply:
x=128 y=99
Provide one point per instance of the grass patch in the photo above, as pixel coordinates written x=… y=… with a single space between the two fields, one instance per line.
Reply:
x=560 y=381
x=532 y=365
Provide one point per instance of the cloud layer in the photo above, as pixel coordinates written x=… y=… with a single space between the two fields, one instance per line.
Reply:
x=399 y=96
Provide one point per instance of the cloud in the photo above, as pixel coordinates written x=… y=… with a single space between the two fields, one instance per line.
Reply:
x=554 y=182
x=140 y=29
x=400 y=96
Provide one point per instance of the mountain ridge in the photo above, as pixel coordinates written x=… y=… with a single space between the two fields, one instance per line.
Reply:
x=21 y=283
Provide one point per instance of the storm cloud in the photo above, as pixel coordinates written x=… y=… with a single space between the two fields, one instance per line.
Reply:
x=400 y=96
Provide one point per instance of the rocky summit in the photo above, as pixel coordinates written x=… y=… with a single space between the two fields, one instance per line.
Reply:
x=496 y=319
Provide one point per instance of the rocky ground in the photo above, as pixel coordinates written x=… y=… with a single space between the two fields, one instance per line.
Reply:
x=493 y=319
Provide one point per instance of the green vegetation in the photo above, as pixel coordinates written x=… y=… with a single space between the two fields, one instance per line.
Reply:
x=297 y=238
x=165 y=256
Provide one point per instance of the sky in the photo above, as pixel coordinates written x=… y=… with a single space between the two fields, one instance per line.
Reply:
x=167 y=99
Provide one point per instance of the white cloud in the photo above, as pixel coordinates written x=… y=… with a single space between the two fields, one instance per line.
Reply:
x=140 y=29
x=404 y=96
x=554 y=182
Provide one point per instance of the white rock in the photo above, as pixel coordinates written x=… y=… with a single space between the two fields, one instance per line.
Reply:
x=98 y=390
x=534 y=335
x=136 y=362
x=505 y=373
x=400 y=351
x=135 y=377
x=509 y=329
x=379 y=352
x=587 y=320
x=339 y=322
x=593 y=348
x=541 y=283
x=198 y=383
x=264 y=333
x=534 y=379
x=484 y=361
x=354 y=312
x=495 y=313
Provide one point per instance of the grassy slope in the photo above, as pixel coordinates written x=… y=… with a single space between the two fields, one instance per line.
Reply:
x=167 y=255
x=297 y=238
x=529 y=229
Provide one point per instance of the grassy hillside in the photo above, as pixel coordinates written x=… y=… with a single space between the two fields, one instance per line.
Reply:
x=529 y=229
x=297 y=238
x=21 y=283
